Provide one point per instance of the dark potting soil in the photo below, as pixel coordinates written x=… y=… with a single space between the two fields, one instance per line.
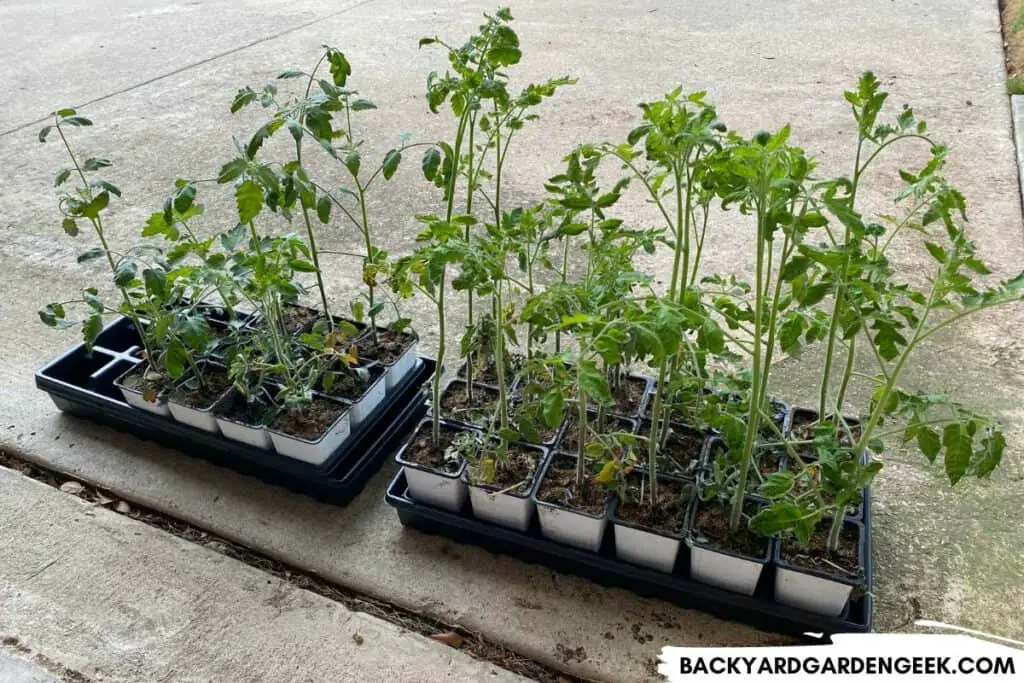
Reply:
x=389 y=347
x=559 y=487
x=628 y=396
x=668 y=513
x=570 y=437
x=423 y=451
x=312 y=421
x=215 y=383
x=349 y=385
x=769 y=462
x=516 y=471
x=137 y=381
x=682 y=448
x=295 y=318
x=486 y=370
x=817 y=556
x=239 y=410
x=455 y=403
x=711 y=527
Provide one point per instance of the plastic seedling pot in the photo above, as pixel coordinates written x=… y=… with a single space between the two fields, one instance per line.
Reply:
x=816 y=591
x=440 y=488
x=512 y=510
x=397 y=370
x=135 y=398
x=645 y=546
x=257 y=436
x=564 y=525
x=315 y=452
x=724 y=568
x=199 y=417
x=372 y=396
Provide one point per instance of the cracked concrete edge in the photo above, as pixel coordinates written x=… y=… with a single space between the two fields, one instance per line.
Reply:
x=473 y=622
x=191 y=613
x=16 y=667
x=1017 y=109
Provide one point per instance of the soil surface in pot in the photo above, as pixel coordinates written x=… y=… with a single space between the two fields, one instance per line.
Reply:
x=237 y=409
x=349 y=385
x=570 y=437
x=423 y=451
x=296 y=318
x=389 y=347
x=681 y=453
x=769 y=462
x=816 y=555
x=802 y=429
x=668 y=513
x=215 y=383
x=627 y=398
x=486 y=370
x=456 y=404
x=711 y=528
x=559 y=487
x=515 y=475
x=312 y=421
x=149 y=386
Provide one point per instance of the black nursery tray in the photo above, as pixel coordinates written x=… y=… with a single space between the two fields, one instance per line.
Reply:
x=604 y=568
x=82 y=384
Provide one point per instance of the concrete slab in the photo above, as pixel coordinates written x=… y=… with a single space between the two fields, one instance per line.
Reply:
x=945 y=555
x=111 y=598
x=125 y=43
x=16 y=669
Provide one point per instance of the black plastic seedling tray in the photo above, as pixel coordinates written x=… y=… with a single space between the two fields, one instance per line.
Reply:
x=81 y=383
x=604 y=568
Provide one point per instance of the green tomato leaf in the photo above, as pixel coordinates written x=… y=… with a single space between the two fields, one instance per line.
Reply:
x=362 y=105
x=323 y=209
x=552 y=407
x=351 y=161
x=431 y=162
x=929 y=443
x=776 y=485
x=391 y=161
x=91 y=254
x=249 y=199
x=958 y=451
x=593 y=383
x=91 y=328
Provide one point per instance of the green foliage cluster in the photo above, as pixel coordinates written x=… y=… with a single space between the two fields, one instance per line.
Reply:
x=823 y=275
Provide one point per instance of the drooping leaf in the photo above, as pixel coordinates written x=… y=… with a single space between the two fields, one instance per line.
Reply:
x=594 y=383
x=431 y=162
x=391 y=161
x=351 y=161
x=323 y=209
x=957 y=442
x=89 y=255
x=362 y=105
x=929 y=443
x=91 y=328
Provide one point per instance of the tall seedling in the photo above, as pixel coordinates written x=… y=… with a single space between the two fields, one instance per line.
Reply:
x=487 y=115
x=893 y=319
x=679 y=134
x=88 y=201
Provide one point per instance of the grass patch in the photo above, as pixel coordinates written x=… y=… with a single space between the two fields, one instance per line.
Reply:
x=1015 y=84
